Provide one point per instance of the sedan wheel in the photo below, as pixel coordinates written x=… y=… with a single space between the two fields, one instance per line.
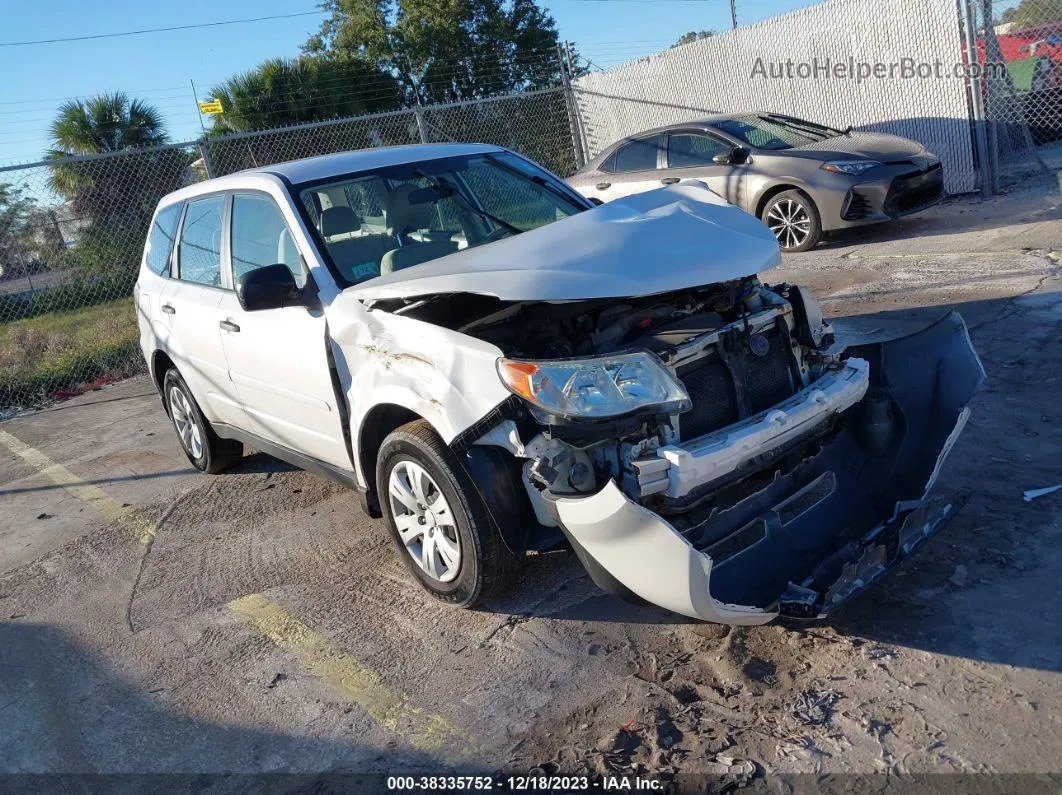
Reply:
x=424 y=521
x=794 y=220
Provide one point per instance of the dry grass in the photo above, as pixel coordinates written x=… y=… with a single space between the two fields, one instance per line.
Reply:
x=42 y=354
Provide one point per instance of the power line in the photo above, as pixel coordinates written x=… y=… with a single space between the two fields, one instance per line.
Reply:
x=160 y=30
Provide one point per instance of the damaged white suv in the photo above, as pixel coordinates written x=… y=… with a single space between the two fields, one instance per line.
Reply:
x=499 y=366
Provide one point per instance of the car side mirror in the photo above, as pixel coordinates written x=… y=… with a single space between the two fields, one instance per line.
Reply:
x=734 y=157
x=271 y=287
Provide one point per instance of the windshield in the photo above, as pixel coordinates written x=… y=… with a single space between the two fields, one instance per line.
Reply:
x=774 y=132
x=378 y=222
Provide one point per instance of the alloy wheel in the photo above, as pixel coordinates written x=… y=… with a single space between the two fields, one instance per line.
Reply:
x=424 y=521
x=789 y=222
x=187 y=429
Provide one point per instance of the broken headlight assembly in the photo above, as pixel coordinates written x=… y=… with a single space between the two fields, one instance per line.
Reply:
x=600 y=387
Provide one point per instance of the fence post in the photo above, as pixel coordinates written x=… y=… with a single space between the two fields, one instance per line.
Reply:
x=204 y=152
x=977 y=105
x=573 y=111
x=421 y=126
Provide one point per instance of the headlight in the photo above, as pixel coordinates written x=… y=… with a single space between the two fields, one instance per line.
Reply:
x=850 y=166
x=605 y=386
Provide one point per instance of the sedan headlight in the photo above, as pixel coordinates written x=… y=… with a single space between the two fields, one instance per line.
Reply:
x=596 y=388
x=850 y=166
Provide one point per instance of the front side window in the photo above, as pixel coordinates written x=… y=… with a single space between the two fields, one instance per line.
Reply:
x=261 y=237
x=199 y=252
x=430 y=209
x=160 y=239
x=637 y=155
x=686 y=150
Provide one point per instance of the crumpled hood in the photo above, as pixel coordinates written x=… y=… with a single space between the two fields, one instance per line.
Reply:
x=661 y=240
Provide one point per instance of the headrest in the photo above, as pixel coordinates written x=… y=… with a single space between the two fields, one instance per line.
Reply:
x=401 y=216
x=339 y=221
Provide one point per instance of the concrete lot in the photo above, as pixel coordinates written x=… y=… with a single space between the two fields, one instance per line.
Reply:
x=157 y=620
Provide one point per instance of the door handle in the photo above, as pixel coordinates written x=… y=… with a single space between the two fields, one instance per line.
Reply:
x=669 y=180
x=168 y=309
x=228 y=325
x=603 y=185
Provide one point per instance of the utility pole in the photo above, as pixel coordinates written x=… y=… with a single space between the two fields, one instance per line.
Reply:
x=564 y=62
x=733 y=14
x=195 y=96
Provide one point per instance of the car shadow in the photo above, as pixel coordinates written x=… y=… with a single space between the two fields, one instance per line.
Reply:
x=69 y=714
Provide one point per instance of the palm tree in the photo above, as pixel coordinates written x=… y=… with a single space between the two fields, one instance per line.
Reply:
x=105 y=123
x=113 y=186
x=114 y=196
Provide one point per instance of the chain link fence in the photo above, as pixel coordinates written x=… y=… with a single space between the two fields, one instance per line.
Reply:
x=72 y=230
x=1022 y=100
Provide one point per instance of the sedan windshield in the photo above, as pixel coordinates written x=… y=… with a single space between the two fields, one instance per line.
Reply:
x=378 y=222
x=774 y=132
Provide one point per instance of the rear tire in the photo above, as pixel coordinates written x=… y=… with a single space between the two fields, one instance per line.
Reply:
x=794 y=220
x=438 y=521
x=207 y=451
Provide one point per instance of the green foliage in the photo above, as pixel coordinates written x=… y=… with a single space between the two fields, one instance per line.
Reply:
x=693 y=35
x=281 y=92
x=126 y=187
x=446 y=50
x=1030 y=13
x=14 y=211
x=42 y=354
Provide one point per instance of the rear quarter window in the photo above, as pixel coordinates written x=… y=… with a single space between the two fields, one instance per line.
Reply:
x=160 y=239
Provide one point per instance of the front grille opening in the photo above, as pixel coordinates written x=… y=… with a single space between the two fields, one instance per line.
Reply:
x=723 y=393
x=857 y=208
x=903 y=198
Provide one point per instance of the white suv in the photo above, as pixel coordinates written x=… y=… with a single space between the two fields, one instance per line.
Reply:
x=506 y=367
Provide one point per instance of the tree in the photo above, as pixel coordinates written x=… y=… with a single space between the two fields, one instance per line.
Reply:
x=693 y=35
x=14 y=209
x=114 y=196
x=445 y=50
x=1031 y=13
x=281 y=92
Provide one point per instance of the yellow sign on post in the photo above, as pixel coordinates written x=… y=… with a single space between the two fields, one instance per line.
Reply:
x=211 y=106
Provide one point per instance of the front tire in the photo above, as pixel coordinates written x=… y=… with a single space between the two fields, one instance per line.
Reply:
x=207 y=451
x=438 y=521
x=794 y=220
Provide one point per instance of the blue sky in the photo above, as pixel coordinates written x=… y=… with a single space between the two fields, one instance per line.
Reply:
x=34 y=80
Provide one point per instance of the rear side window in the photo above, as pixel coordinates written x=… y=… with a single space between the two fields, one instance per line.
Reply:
x=160 y=239
x=637 y=155
x=199 y=252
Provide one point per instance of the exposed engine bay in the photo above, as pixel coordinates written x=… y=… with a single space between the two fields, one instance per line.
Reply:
x=795 y=473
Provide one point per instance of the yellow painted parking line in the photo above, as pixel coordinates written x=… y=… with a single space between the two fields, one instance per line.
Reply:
x=110 y=509
x=354 y=681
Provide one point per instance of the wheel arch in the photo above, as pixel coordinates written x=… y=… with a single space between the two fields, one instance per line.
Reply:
x=381 y=420
x=781 y=187
x=160 y=364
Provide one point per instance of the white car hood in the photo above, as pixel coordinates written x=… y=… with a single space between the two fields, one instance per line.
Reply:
x=661 y=240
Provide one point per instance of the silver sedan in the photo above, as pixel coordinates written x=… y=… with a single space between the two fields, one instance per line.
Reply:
x=800 y=178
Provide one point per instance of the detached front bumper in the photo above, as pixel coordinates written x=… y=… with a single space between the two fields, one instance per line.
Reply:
x=819 y=531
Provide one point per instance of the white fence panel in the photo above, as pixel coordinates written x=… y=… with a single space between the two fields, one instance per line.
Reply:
x=715 y=75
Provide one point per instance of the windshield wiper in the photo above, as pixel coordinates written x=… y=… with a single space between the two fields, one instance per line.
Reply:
x=822 y=133
x=447 y=191
x=542 y=182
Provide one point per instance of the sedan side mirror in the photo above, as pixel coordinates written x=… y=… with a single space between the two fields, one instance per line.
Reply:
x=734 y=157
x=271 y=287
